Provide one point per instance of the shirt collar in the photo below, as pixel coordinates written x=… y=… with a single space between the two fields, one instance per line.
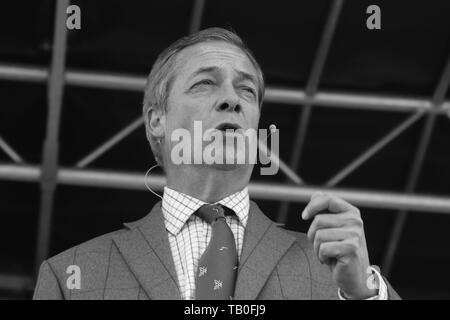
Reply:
x=178 y=207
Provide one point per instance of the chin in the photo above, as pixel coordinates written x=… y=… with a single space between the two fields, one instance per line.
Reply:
x=231 y=162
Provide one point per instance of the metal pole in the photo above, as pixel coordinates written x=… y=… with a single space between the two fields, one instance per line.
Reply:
x=314 y=79
x=17 y=283
x=347 y=170
x=419 y=157
x=349 y=100
x=258 y=190
x=285 y=96
x=23 y=73
x=139 y=121
x=122 y=134
x=311 y=88
x=50 y=150
x=10 y=151
x=105 y=80
x=294 y=177
x=196 y=16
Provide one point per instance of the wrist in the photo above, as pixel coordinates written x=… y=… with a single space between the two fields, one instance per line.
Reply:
x=368 y=289
x=359 y=295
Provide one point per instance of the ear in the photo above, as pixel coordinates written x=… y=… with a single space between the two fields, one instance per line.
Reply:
x=155 y=121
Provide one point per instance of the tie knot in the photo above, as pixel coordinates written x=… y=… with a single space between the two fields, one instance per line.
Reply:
x=212 y=212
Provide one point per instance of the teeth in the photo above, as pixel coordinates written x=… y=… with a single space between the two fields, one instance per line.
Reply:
x=226 y=127
x=229 y=128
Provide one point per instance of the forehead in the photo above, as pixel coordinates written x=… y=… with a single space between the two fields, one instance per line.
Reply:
x=213 y=54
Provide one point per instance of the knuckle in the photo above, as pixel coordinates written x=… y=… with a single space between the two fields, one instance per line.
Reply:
x=356 y=220
x=351 y=247
x=321 y=219
x=316 y=246
x=322 y=249
x=317 y=194
x=318 y=221
x=355 y=244
x=356 y=232
x=311 y=231
x=326 y=196
x=334 y=197
x=319 y=236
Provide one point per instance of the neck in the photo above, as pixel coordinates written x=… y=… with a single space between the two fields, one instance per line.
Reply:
x=207 y=183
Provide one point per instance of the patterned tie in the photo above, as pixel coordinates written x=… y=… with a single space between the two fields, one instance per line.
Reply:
x=217 y=267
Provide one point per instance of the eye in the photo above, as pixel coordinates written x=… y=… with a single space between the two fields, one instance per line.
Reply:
x=205 y=82
x=250 y=90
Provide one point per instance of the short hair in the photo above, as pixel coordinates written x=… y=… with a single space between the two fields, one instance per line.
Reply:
x=162 y=75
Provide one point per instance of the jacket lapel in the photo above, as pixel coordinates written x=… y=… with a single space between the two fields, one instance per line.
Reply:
x=146 y=250
x=264 y=245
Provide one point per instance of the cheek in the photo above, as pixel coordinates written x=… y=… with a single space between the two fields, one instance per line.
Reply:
x=254 y=117
x=177 y=119
x=184 y=113
x=181 y=117
x=176 y=113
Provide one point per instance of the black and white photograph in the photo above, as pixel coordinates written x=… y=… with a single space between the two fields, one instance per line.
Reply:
x=225 y=150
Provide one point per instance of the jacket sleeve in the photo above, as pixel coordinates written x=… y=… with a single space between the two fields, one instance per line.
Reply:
x=392 y=294
x=47 y=286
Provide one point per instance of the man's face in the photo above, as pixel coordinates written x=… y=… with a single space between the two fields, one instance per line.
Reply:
x=214 y=83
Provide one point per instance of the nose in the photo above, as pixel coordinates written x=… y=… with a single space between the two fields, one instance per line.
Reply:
x=229 y=101
x=230 y=105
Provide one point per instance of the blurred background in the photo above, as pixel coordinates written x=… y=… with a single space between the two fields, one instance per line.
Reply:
x=364 y=113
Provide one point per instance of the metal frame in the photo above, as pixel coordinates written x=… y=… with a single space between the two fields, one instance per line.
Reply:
x=50 y=151
x=49 y=174
x=419 y=158
x=311 y=88
x=258 y=190
x=10 y=151
x=287 y=97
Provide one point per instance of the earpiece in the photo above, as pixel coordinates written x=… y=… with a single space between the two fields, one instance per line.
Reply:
x=145 y=181
x=272 y=128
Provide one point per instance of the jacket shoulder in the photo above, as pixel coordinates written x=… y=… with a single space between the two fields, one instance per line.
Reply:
x=99 y=246
x=301 y=238
x=91 y=260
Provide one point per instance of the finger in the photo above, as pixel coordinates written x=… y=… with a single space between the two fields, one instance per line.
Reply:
x=329 y=220
x=338 y=204
x=325 y=202
x=318 y=202
x=316 y=194
x=338 y=249
x=334 y=234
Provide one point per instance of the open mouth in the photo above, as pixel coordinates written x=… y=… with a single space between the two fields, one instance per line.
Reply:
x=227 y=126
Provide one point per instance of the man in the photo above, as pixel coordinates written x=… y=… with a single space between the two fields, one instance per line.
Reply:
x=186 y=248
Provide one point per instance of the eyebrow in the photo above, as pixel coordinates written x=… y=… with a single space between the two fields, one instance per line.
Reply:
x=204 y=70
x=247 y=76
x=242 y=74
